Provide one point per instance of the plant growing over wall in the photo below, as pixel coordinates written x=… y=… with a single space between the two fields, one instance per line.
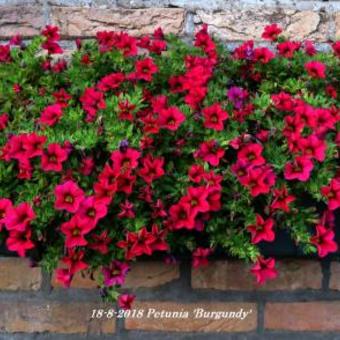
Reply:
x=143 y=146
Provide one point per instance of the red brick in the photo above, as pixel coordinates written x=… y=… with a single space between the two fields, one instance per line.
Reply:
x=17 y=275
x=190 y=323
x=235 y=275
x=142 y=274
x=24 y=20
x=81 y=21
x=303 y=316
x=52 y=317
x=335 y=276
x=151 y=274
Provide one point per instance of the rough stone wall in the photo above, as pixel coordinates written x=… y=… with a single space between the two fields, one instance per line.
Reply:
x=232 y=20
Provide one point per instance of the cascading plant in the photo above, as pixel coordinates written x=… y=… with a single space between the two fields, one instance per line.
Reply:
x=143 y=146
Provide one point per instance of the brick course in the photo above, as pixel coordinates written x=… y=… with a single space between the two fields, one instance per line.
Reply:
x=233 y=275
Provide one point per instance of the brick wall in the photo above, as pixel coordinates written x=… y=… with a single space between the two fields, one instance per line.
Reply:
x=303 y=303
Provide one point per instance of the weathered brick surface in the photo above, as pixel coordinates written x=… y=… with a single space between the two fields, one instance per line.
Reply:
x=142 y=274
x=54 y=317
x=25 y=20
x=303 y=316
x=151 y=274
x=15 y=274
x=235 y=275
x=334 y=282
x=192 y=324
x=248 y=23
x=80 y=21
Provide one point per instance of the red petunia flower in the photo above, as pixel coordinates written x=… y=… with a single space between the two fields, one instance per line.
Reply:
x=158 y=209
x=181 y=216
x=330 y=90
x=100 y=243
x=196 y=173
x=126 y=43
x=264 y=269
x=271 y=32
x=332 y=193
x=125 y=182
x=51 y=114
x=5 y=53
x=324 y=241
x=91 y=211
x=282 y=199
x=152 y=168
x=258 y=179
x=51 y=33
x=92 y=101
x=62 y=97
x=313 y=147
x=214 y=116
x=171 y=118
x=159 y=243
x=87 y=166
x=104 y=191
x=127 y=210
x=316 y=69
x=5 y=206
x=263 y=55
x=251 y=153
x=25 y=169
x=196 y=198
x=3 y=121
x=124 y=161
x=52 y=47
x=287 y=48
x=64 y=276
x=53 y=158
x=299 y=169
x=262 y=230
x=68 y=196
x=210 y=152
x=145 y=69
x=33 y=145
x=309 y=48
x=18 y=218
x=110 y=82
x=125 y=301
x=137 y=244
x=74 y=230
x=335 y=47
x=126 y=110
x=283 y=101
x=74 y=260
x=20 y=241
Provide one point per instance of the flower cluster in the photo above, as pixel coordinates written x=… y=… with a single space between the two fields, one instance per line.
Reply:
x=148 y=146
